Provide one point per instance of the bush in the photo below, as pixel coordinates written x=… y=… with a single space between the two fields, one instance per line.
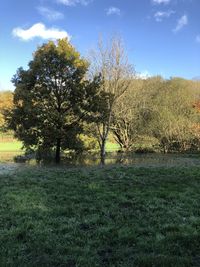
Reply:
x=89 y=142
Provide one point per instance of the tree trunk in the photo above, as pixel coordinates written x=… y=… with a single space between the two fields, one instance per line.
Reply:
x=57 y=157
x=103 y=152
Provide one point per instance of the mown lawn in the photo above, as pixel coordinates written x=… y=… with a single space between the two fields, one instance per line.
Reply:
x=112 y=216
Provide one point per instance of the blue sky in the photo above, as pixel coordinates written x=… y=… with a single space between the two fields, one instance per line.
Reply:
x=160 y=36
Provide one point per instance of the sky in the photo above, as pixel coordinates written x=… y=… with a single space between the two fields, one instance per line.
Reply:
x=161 y=37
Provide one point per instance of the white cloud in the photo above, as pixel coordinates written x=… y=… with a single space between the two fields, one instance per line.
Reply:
x=113 y=11
x=160 y=15
x=161 y=1
x=50 y=14
x=183 y=21
x=198 y=39
x=39 y=30
x=74 y=2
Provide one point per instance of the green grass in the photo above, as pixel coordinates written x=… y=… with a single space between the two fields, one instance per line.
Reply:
x=92 y=217
x=17 y=145
x=112 y=146
x=14 y=146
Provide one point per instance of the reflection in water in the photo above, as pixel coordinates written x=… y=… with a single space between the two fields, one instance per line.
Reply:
x=143 y=160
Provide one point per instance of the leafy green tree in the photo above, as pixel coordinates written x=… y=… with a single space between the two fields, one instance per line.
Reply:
x=53 y=98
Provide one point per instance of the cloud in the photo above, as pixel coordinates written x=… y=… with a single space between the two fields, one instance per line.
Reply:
x=39 y=30
x=160 y=15
x=183 y=21
x=113 y=11
x=74 y=2
x=198 y=39
x=50 y=14
x=158 y=2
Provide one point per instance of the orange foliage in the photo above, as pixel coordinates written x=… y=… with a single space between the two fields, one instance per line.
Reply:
x=6 y=102
x=196 y=105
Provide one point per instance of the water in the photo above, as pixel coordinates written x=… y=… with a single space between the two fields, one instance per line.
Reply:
x=142 y=160
x=139 y=160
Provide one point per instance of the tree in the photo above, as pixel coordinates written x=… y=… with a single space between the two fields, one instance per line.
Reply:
x=52 y=99
x=134 y=111
x=6 y=103
x=172 y=114
x=126 y=125
x=162 y=110
x=116 y=72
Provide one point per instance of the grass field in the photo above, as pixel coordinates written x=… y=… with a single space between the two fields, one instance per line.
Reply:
x=14 y=146
x=92 y=217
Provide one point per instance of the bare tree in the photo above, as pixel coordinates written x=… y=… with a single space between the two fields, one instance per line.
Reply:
x=126 y=124
x=112 y=63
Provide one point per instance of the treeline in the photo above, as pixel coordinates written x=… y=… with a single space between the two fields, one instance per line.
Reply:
x=163 y=114
x=153 y=113
x=65 y=102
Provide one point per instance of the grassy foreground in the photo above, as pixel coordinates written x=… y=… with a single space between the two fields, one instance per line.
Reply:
x=112 y=216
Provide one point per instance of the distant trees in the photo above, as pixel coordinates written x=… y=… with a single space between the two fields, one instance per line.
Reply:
x=176 y=117
x=160 y=109
x=52 y=99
